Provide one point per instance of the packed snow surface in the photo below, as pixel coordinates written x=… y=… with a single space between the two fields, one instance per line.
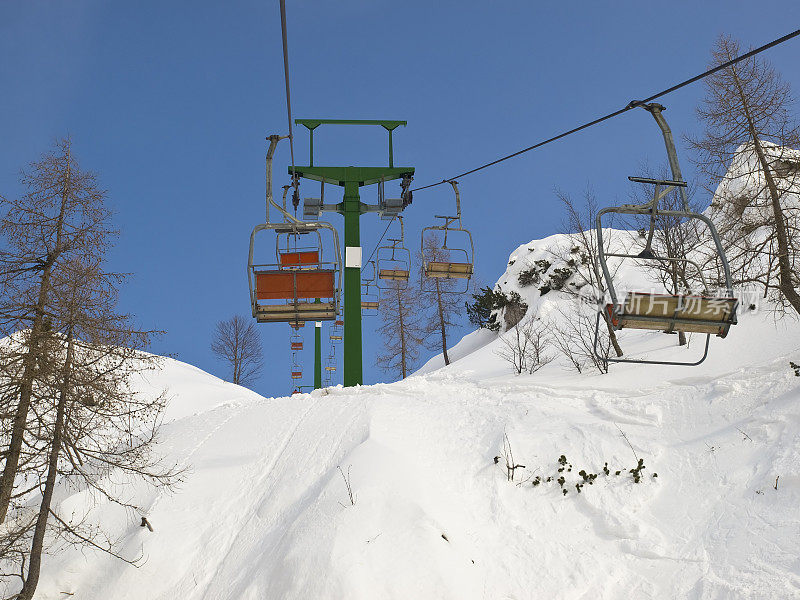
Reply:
x=264 y=511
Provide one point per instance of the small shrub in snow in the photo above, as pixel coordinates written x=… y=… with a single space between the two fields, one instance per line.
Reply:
x=559 y=277
x=796 y=368
x=562 y=477
x=528 y=276
x=485 y=307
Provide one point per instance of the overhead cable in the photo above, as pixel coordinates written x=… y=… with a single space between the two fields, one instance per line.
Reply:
x=286 y=76
x=631 y=105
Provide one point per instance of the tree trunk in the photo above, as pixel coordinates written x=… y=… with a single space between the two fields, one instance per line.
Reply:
x=402 y=335
x=784 y=267
x=24 y=404
x=441 y=323
x=37 y=545
x=31 y=358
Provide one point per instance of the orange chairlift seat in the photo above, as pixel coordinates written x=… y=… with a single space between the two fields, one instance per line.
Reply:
x=451 y=261
x=302 y=284
x=288 y=290
x=690 y=313
x=296 y=340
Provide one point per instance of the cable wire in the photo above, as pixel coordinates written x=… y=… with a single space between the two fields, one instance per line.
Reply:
x=380 y=240
x=631 y=105
x=286 y=76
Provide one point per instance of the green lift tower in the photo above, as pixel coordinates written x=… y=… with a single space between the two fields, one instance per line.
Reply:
x=351 y=208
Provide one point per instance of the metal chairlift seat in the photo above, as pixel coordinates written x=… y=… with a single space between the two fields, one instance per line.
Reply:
x=668 y=313
x=449 y=270
x=369 y=300
x=336 y=331
x=690 y=313
x=393 y=261
x=453 y=262
x=296 y=345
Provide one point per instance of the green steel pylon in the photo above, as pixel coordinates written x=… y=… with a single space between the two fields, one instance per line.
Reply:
x=351 y=208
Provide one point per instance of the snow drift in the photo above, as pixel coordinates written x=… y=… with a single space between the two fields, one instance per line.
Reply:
x=265 y=513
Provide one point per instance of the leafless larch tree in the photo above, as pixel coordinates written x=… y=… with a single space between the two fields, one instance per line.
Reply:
x=750 y=153
x=67 y=367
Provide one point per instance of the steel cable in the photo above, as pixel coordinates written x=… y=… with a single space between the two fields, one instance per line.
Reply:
x=631 y=105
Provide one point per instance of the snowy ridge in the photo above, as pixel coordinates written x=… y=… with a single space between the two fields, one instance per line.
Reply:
x=265 y=513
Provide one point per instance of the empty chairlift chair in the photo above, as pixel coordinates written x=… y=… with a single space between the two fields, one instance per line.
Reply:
x=455 y=257
x=303 y=282
x=295 y=340
x=301 y=285
x=393 y=262
x=369 y=294
x=690 y=313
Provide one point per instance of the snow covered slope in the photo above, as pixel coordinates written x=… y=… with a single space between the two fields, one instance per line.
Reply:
x=265 y=512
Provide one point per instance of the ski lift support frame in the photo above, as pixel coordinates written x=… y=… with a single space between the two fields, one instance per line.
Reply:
x=351 y=178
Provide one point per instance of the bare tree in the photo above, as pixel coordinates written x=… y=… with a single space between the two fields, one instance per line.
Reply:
x=77 y=418
x=583 y=259
x=573 y=334
x=441 y=296
x=60 y=217
x=237 y=342
x=402 y=335
x=525 y=346
x=749 y=127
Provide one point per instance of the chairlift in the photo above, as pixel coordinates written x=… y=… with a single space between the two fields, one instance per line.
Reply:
x=393 y=261
x=453 y=261
x=297 y=370
x=296 y=341
x=369 y=298
x=690 y=313
x=336 y=331
x=287 y=289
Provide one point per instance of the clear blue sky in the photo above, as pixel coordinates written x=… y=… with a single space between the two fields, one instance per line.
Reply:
x=170 y=103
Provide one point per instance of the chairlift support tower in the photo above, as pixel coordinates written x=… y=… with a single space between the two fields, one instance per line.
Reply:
x=351 y=178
